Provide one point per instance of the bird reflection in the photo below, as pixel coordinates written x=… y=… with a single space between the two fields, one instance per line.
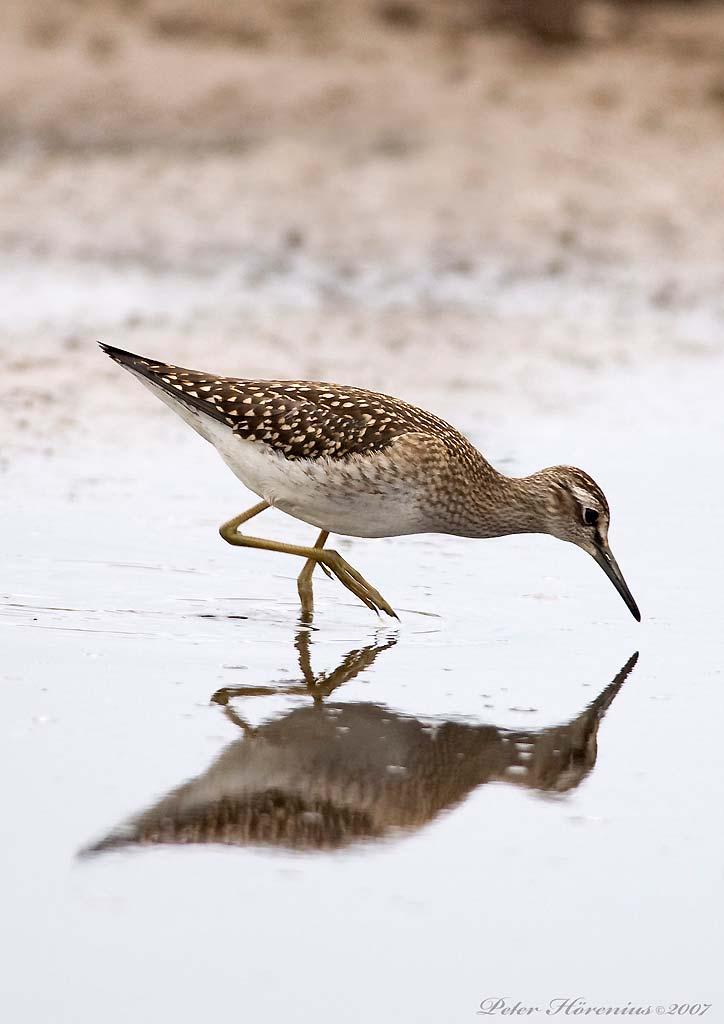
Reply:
x=327 y=775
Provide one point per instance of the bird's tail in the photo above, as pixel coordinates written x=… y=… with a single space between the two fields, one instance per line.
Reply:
x=190 y=393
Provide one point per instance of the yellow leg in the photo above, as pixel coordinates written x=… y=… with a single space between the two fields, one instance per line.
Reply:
x=304 y=580
x=331 y=560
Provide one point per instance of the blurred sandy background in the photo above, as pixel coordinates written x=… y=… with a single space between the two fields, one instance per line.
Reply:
x=459 y=202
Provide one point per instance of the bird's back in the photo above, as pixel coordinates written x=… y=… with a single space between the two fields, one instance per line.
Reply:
x=298 y=419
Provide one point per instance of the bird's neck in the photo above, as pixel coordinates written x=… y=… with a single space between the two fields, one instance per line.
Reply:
x=503 y=505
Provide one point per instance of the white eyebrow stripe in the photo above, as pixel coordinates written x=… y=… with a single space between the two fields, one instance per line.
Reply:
x=585 y=498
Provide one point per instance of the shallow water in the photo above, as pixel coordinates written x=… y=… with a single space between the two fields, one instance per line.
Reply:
x=211 y=811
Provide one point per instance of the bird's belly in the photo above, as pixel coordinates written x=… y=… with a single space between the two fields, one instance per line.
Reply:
x=355 y=515
x=347 y=498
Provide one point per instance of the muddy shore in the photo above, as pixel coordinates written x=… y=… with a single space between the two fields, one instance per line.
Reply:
x=460 y=218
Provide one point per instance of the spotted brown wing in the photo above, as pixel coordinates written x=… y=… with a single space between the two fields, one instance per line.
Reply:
x=300 y=419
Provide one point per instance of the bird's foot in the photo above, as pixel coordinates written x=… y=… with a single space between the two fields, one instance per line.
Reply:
x=356 y=583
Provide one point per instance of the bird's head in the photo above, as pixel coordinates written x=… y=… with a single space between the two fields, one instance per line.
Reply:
x=575 y=509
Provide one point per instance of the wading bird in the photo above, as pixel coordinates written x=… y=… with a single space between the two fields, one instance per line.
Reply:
x=362 y=464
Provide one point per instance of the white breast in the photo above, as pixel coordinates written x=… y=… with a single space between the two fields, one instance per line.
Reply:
x=348 y=497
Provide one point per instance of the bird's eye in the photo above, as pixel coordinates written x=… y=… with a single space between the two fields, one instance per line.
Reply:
x=590 y=516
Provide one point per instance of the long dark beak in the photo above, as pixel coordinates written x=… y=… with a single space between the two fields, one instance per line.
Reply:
x=609 y=565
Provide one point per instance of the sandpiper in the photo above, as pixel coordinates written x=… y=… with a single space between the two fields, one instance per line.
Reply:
x=362 y=464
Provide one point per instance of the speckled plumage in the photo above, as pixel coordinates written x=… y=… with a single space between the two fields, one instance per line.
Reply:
x=360 y=446
x=299 y=419
x=363 y=464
